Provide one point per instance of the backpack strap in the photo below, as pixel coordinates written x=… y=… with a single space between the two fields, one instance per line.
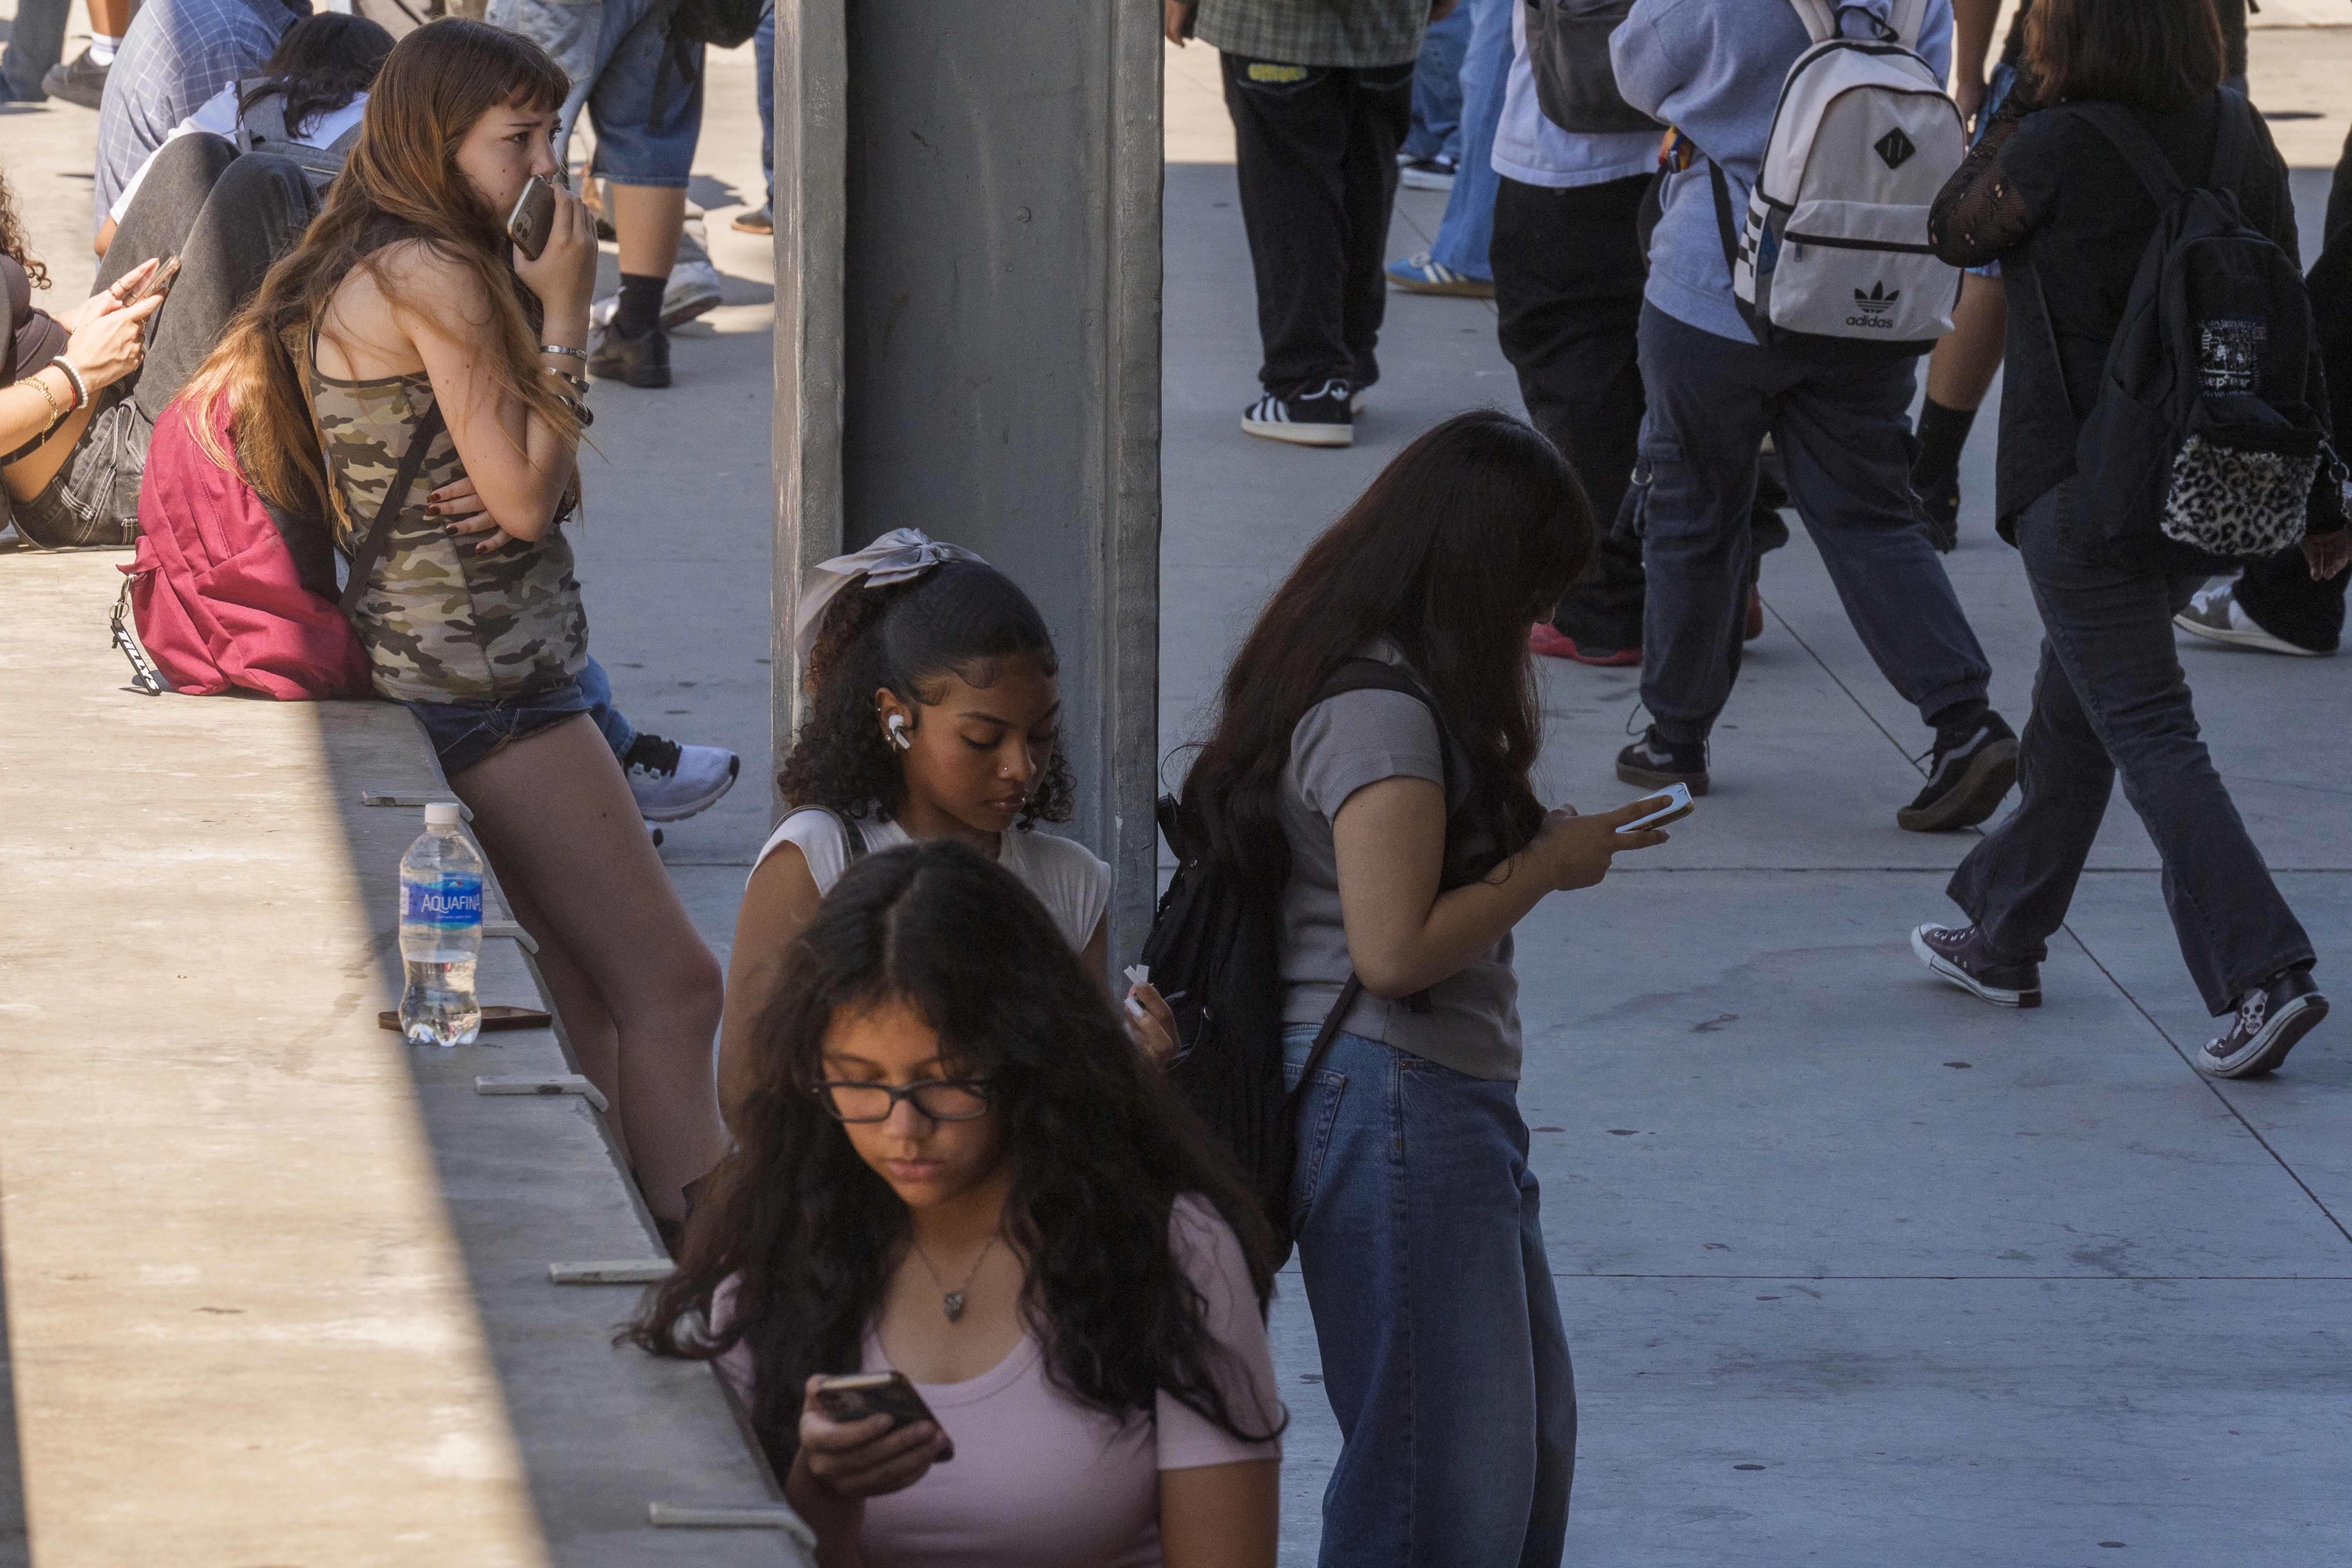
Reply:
x=264 y=123
x=2233 y=140
x=853 y=838
x=1324 y=1037
x=2132 y=143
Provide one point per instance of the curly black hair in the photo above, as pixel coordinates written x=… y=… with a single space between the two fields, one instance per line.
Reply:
x=1098 y=1150
x=12 y=238
x=961 y=618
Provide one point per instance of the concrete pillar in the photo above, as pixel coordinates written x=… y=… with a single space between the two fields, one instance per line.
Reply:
x=968 y=340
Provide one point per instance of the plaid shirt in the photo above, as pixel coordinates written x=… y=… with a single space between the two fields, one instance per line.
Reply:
x=1316 y=32
x=177 y=54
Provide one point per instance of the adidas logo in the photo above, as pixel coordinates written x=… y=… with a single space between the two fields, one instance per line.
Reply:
x=1871 y=309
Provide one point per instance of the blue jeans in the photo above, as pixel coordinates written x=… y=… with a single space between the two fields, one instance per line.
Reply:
x=597 y=688
x=1442 y=1353
x=1437 y=90
x=1469 y=224
x=763 y=49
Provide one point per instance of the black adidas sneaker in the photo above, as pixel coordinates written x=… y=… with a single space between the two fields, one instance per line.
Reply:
x=1319 y=417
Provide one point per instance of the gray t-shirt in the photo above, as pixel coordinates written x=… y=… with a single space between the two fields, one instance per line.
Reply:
x=1343 y=743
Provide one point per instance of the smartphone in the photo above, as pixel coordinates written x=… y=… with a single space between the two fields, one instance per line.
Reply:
x=1678 y=805
x=857 y=1395
x=158 y=282
x=533 y=216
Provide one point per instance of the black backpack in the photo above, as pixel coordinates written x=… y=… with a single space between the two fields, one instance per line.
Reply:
x=721 y=24
x=1214 y=954
x=2203 y=446
x=1567 y=54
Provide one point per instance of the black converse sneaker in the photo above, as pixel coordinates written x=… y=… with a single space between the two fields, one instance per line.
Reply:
x=1961 y=955
x=1974 y=762
x=1318 y=418
x=1655 y=761
x=2270 y=1020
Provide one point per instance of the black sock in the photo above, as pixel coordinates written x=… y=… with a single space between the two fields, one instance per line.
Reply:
x=1942 y=433
x=640 y=310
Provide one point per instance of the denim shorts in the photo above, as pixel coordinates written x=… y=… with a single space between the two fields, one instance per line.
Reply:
x=648 y=115
x=93 y=500
x=464 y=733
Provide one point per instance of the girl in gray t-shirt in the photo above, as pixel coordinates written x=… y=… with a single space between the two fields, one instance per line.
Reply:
x=1396 y=827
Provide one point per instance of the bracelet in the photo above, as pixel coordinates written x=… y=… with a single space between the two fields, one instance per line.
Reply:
x=580 y=411
x=579 y=383
x=80 y=387
x=580 y=354
x=56 y=414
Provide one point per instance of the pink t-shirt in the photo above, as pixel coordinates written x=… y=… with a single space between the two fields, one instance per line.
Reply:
x=1041 y=1481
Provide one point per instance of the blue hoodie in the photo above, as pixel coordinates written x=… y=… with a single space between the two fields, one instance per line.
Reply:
x=1714 y=69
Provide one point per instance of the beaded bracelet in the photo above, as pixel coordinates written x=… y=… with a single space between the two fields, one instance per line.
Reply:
x=80 y=387
x=580 y=354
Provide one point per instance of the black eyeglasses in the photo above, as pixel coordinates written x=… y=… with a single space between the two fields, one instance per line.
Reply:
x=941 y=1100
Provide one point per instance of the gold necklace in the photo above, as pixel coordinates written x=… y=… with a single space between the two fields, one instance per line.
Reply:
x=953 y=1301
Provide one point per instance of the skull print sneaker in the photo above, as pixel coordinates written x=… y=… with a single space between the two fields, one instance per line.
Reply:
x=2269 y=1021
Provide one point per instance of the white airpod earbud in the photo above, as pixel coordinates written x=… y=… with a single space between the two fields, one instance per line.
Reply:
x=896 y=726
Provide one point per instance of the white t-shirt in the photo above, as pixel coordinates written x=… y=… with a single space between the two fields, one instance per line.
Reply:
x=1068 y=881
x=218 y=114
x=1533 y=151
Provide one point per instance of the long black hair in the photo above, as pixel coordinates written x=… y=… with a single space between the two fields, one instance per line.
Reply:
x=322 y=63
x=960 y=618
x=1098 y=1150
x=1470 y=535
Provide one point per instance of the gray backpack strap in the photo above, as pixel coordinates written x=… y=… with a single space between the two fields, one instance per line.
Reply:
x=264 y=124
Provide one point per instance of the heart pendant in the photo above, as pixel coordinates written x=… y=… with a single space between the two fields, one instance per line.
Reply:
x=953 y=1301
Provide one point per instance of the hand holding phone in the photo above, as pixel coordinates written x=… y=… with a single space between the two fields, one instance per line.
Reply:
x=860 y=1396
x=532 y=218
x=159 y=281
x=1678 y=804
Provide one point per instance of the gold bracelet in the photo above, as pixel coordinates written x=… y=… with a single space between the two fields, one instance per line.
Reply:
x=37 y=385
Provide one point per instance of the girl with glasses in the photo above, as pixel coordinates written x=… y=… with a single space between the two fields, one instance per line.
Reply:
x=952 y=1162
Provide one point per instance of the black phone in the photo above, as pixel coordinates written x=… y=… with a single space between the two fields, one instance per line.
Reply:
x=158 y=282
x=533 y=216
x=857 y=1395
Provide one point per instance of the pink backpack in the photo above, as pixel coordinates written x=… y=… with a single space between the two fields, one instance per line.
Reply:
x=227 y=591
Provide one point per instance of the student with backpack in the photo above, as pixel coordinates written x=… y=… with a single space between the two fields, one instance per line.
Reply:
x=1802 y=320
x=2164 y=410
x=405 y=345
x=934 y=711
x=1367 y=783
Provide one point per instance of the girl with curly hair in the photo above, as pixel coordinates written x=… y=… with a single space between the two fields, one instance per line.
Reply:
x=933 y=712
x=951 y=1162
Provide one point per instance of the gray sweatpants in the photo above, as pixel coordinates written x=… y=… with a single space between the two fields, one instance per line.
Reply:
x=1839 y=421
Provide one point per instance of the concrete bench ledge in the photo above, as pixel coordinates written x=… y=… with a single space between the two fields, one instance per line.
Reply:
x=276 y=1281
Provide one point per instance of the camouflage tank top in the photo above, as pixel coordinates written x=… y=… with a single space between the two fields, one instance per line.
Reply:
x=440 y=622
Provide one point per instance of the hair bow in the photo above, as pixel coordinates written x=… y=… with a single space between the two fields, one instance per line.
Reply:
x=897 y=556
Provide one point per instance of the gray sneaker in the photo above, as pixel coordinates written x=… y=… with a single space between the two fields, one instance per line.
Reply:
x=2216 y=616
x=692 y=290
x=78 y=80
x=672 y=781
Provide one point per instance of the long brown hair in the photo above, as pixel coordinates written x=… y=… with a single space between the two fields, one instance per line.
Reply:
x=2157 y=55
x=1474 y=531
x=12 y=238
x=437 y=82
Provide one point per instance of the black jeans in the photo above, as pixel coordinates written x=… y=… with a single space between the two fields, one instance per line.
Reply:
x=2110 y=697
x=2279 y=593
x=1569 y=271
x=1314 y=152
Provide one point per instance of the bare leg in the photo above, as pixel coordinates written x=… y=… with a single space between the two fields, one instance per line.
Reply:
x=587 y=1022
x=1961 y=369
x=111 y=18
x=567 y=835
x=649 y=220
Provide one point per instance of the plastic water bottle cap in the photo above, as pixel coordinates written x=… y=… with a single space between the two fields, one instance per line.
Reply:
x=441 y=814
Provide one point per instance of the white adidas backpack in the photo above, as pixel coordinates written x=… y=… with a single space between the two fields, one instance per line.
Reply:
x=1835 y=244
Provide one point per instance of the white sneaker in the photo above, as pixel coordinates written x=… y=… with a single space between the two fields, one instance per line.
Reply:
x=672 y=781
x=2216 y=615
x=692 y=290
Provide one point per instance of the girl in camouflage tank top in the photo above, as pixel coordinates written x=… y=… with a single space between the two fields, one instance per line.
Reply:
x=441 y=622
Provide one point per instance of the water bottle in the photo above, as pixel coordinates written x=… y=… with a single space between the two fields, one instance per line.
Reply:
x=440 y=932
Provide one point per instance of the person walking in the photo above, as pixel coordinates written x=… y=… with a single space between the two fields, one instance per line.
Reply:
x=1396 y=833
x=1456 y=262
x=1836 y=410
x=2070 y=216
x=1321 y=97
